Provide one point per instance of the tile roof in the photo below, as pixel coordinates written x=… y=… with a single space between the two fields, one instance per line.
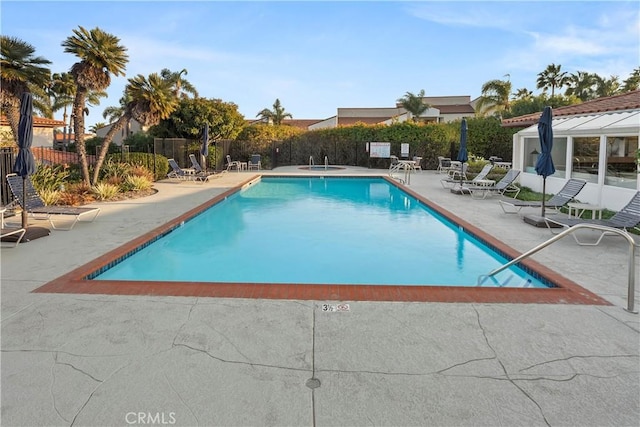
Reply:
x=50 y=156
x=624 y=101
x=41 y=122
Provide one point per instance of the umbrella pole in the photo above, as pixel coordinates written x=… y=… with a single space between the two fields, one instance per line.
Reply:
x=544 y=184
x=24 y=203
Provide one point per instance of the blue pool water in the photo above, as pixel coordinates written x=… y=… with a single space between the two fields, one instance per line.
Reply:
x=315 y=230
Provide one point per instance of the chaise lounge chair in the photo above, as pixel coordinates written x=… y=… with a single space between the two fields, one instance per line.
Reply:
x=36 y=207
x=10 y=235
x=177 y=172
x=200 y=173
x=502 y=187
x=565 y=195
x=457 y=178
x=628 y=217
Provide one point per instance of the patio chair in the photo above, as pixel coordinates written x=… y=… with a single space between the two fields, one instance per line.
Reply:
x=35 y=206
x=444 y=164
x=232 y=164
x=255 y=162
x=502 y=187
x=177 y=172
x=627 y=218
x=565 y=195
x=457 y=177
x=417 y=166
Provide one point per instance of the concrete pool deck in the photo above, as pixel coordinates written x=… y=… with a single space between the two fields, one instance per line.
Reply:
x=76 y=359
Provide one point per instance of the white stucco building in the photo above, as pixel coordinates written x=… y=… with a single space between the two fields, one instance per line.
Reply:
x=596 y=141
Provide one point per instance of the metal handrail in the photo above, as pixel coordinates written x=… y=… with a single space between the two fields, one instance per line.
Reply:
x=604 y=229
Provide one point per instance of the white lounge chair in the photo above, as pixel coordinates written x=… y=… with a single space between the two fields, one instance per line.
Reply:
x=457 y=177
x=627 y=218
x=564 y=196
x=502 y=187
x=35 y=206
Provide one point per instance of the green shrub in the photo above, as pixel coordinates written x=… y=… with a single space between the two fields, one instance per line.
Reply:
x=112 y=169
x=136 y=183
x=157 y=164
x=49 y=197
x=49 y=178
x=105 y=191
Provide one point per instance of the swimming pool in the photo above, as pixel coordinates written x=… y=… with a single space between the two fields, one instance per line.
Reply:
x=380 y=195
x=320 y=230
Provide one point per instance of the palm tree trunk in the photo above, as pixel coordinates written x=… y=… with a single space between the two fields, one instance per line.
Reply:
x=13 y=116
x=78 y=129
x=117 y=126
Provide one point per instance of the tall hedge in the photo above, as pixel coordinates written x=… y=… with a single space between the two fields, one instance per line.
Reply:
x=348 y=145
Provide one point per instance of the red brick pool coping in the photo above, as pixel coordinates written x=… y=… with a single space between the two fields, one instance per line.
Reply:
x=566 y=292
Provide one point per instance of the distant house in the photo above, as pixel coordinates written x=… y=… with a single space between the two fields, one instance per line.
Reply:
x=442 y=109
x=124 y=133
x=596 y=141
x=43 y=130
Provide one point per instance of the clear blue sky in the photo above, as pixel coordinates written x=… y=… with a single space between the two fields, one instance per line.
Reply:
x=318 y=56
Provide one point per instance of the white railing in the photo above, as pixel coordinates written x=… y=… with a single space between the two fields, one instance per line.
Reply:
x=632 y=254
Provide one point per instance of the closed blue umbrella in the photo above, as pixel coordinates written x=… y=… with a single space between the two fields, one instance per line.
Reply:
x=204 y=151
x=544 y=164
x=25 y=165
x=462 y=154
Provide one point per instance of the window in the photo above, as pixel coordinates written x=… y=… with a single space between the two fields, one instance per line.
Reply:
x=621 y=161
x=585 y=158
x=558 y=154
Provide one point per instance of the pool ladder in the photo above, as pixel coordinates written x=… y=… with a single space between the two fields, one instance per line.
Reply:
x=326 y=162
x=404 y=167
x=632 y=254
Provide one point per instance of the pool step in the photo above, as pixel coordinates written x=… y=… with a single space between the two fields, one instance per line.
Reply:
x=511 y=281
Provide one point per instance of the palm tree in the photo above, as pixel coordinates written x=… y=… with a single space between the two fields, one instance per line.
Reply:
x=552 y=78
x=63 y=92
x=414 y=104
x=275 y=116
x=582 y=85
x=94 y=128
x=494 y=97
x=607 y=87
x=150 y=100
x=182 y=87
x=21 y=71
x=101 y=55
x=523 y=93
x=632 y=82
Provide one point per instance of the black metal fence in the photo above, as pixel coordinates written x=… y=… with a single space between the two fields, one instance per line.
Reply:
x=7 y=159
